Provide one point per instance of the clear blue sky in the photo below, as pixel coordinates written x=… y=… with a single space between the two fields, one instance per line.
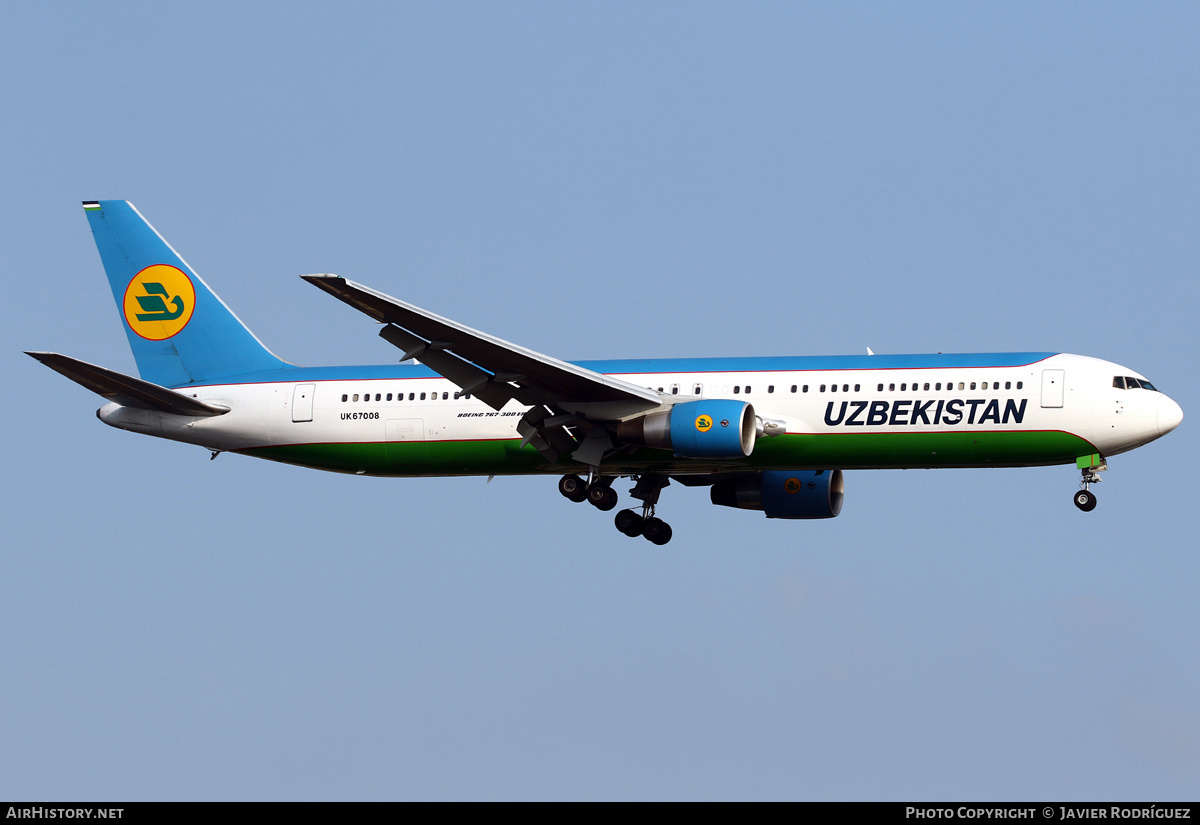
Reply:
x=602 y=181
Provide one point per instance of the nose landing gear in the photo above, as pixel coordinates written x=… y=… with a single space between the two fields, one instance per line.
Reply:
x=1085 y=499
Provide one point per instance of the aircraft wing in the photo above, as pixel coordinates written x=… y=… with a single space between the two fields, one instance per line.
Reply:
x=488 y=367
x=126 y=390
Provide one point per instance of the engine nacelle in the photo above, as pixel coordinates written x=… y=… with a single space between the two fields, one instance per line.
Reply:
x=784 y=493
x=708 y=428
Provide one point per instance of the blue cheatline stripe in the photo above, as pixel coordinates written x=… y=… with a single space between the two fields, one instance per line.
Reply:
x=820 y=362
x=673 y=366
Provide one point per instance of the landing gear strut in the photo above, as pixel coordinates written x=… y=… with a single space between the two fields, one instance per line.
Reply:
x=1085 y=499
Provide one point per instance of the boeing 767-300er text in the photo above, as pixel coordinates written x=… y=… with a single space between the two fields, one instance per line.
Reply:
x=769 y=434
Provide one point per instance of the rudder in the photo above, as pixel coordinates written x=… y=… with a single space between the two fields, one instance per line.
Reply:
x=179 y=330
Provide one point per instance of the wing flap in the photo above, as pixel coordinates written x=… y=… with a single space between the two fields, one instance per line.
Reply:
x=124 y=389
x=466 y=375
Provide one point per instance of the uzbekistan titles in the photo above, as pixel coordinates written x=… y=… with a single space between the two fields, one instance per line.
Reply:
x=900 y=413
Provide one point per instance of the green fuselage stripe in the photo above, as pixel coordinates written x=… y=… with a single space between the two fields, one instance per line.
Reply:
x=858 y=451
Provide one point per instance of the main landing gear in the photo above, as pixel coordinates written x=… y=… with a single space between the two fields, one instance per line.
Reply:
x=573 y=487
x=633 y=524
x=1085 y=499
x=600 y=494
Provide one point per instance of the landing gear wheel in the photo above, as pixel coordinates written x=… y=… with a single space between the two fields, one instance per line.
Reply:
x=629 y=522
x=1085 y=500
x=656 y=531
x=602 y=497
x=572 y=487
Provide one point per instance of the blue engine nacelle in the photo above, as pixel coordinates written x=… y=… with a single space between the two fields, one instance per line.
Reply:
x=708 y=428
x=784 y=493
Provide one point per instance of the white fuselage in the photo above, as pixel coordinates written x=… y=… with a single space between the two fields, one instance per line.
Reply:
x=1063 y=393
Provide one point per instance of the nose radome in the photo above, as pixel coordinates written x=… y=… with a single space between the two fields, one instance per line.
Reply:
x=1170 y=415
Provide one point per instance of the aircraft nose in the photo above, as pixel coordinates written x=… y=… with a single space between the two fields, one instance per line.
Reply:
x=1170 y=415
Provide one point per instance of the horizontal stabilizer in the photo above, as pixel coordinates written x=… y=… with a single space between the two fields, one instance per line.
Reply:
x=126 y=390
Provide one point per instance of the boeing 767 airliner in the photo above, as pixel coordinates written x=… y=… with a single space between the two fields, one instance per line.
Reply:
x=770 y=434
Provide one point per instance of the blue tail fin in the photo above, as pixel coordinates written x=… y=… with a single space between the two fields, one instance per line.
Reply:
x=179 y=330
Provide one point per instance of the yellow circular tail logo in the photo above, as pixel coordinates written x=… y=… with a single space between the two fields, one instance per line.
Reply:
x=792 y=486
x=159 y=302
x=704 y=423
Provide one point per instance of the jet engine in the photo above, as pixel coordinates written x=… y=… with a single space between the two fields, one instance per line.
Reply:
x=792 y=494
x=708 y=428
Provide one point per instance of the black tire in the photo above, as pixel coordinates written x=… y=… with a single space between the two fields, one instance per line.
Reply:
x=656 y=531
x=1085 y=501
x=572 y=487
x=602 y=497
x=629 y=522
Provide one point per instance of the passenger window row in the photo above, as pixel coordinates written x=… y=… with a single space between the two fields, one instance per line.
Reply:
x=905 y=386
x=962 y=385
x=1120 y=382
x=412 y=396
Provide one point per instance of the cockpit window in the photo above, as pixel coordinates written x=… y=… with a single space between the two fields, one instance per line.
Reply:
x=1128 y=382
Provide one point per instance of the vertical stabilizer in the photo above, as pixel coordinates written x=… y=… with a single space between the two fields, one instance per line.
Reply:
x=179 y=330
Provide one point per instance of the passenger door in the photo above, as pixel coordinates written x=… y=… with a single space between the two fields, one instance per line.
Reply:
x=302 y=402
x=1052 y=387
